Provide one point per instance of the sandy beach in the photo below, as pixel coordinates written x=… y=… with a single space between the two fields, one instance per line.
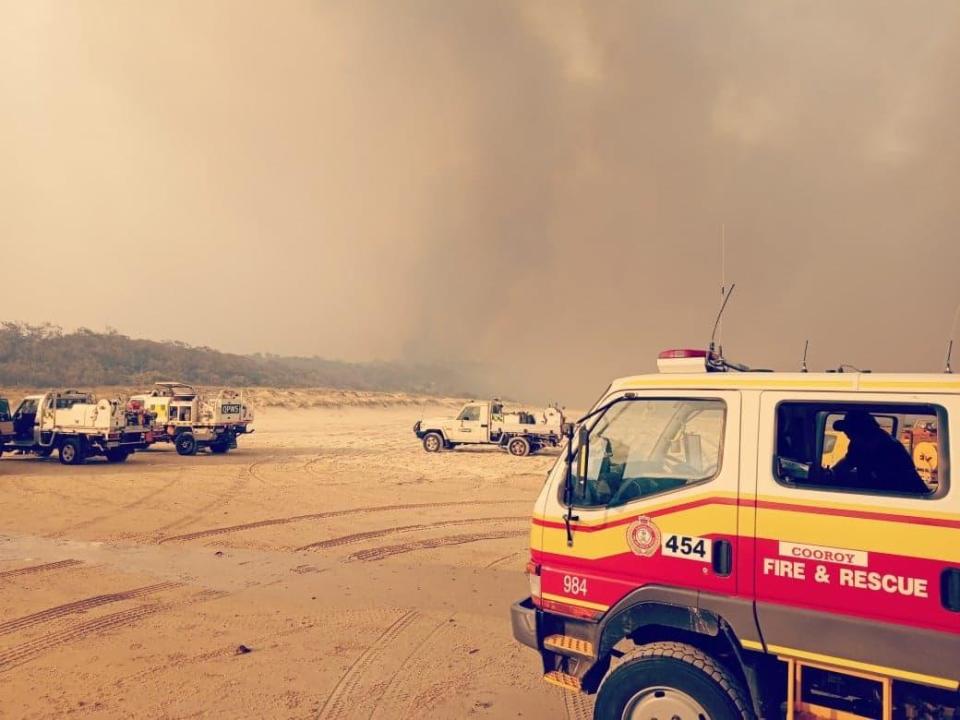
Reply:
x=367 y=578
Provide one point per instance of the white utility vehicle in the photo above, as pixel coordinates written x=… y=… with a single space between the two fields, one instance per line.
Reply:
x=77 y=426
x=192 y=421
x=520 y=432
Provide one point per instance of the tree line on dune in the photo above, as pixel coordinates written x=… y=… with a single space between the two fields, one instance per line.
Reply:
x=46 y=356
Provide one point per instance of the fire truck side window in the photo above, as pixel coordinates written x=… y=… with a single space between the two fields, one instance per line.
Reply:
x=640 y=448
x=894 y=449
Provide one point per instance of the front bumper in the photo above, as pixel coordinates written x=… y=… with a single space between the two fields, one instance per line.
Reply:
x=523 y=619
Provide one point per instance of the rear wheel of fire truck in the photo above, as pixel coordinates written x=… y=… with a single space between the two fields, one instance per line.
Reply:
x=71 y=452
x=519 y=447
x=432 y=442
x=671 y=680
x=186 y=444
x=117 y=456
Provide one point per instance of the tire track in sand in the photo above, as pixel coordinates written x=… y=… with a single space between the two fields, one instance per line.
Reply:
x=396 y=690
x=385 y=551
x=79 y=606
x=32 y=649
x=415 y=690
x=330 y=514
x=119 y=509
x=577 y=706
x=374 y=534
x=501 y=560
x=39 y=568
x=246 y=474
x=338 y=702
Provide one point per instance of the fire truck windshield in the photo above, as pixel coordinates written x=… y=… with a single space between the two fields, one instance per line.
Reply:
x=644 y=447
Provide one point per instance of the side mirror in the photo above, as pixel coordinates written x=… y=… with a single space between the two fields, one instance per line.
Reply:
x=566 y=429
x=583 y=453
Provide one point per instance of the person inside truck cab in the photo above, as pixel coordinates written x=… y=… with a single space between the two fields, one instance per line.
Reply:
x=875 y=459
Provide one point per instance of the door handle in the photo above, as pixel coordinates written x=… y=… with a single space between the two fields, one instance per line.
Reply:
x=722 y=557
x=950 y=589
x=483 y=426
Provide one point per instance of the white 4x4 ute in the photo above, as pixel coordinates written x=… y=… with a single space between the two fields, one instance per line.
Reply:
x=520 y=432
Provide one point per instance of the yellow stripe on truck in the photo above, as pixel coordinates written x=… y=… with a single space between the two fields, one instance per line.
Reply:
x=613 y=540
x=573 y=601
x=882 y=536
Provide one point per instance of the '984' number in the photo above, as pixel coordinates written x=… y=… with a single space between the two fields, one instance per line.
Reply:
x=573 y=585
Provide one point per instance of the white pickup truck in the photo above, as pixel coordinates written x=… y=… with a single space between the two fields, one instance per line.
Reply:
x=77 y=426
x=192 y=421
x=519 y=432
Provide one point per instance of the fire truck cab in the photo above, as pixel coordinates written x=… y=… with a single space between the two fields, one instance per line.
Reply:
x=703 y=551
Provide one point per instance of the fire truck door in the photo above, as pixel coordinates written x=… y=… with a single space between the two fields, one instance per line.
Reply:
x=656 y=502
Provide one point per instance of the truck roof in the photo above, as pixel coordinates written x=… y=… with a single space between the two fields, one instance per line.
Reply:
x=837 y=382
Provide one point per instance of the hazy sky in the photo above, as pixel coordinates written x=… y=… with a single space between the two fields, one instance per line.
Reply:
x=536 y=185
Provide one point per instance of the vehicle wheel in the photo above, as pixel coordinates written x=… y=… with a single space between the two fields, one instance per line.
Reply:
x=432 y=442
x=71 y=452
x=518 y=447
x=117 y=456
x=671 y=680
x=186 y=444
x=219 y=448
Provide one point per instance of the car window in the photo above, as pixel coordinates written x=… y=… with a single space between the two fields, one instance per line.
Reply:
x=889 y=448
x=640 y=448
x=471 y=412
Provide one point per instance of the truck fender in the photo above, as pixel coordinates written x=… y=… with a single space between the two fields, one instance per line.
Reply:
x=665 y=607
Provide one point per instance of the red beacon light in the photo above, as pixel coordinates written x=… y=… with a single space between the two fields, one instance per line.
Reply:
x=682 y=361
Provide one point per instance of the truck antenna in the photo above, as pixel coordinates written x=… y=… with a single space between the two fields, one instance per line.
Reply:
x=953 y=331
x=716 y=325
x=803 y=363
x=723 y=280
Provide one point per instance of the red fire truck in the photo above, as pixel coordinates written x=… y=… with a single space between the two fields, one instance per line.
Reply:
x=693 y=557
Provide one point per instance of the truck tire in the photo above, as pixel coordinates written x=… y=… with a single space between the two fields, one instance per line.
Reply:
x=671 y=680
x=117 y=456
x=186 y=444
x=71 y=452
x=518 y=447
x=433 y=442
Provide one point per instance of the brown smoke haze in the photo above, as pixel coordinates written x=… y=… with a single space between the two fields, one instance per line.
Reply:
x=535 y=186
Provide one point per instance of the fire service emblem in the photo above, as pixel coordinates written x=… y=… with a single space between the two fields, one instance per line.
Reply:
x=643 y=537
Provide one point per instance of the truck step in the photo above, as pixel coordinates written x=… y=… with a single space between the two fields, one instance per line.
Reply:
x=566 y=645
x=562 y=680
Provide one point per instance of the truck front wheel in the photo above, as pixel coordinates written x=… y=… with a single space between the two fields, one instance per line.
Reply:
x=186 y=444
x=671 y=680
x=432 y=442
x=519 y=447
x=71 y=452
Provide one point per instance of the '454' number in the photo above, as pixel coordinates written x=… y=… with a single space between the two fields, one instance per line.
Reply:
x=689 y=548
